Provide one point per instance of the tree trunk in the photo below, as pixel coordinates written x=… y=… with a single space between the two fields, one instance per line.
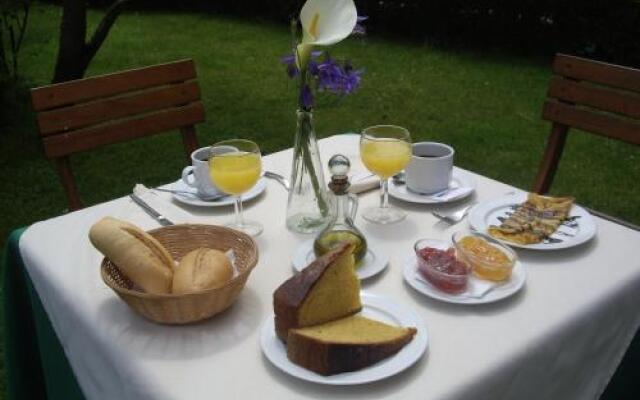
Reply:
x=71 y=63
x=74 y=54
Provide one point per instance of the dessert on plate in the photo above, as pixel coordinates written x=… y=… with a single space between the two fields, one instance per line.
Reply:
x=534 y=220
x=346 y=344
x=324 y=291
x=314 y=316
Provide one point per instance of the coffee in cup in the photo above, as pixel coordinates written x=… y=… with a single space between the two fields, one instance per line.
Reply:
x=197 y=174
x=430 y=168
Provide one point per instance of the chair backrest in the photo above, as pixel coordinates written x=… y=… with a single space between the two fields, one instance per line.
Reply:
x=84 y=114
x=592 y=96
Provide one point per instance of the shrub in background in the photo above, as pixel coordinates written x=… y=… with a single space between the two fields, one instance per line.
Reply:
x=14 y=15
x=601 y=29
x=607 y=30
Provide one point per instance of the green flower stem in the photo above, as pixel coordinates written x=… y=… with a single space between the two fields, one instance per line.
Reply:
x=303 y=150
x=302 y=145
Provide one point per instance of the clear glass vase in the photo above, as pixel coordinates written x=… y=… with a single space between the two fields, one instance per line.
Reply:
x=307 y=208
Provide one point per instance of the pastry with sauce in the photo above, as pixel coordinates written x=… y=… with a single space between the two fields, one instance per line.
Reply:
x=534 y=220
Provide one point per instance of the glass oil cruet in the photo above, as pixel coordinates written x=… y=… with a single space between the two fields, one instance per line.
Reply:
x=344 y=207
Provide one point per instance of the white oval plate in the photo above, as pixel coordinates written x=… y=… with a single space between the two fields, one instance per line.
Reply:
x=485 y=214
x=194 y=200
x=374 y=262
x=375 y=307
x=499 y=292
x=458 y=179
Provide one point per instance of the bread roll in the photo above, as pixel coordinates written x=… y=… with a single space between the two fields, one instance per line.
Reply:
x=202 y=269
x=138 y=255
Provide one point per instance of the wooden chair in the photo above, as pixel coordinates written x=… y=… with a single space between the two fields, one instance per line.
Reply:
x=592 y=96
x=88 y=113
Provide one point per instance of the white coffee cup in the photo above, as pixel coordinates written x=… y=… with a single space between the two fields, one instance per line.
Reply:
x=197 y=174
x=430 y=168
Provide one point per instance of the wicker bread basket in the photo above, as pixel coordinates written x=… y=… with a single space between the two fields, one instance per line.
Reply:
x=190 y=307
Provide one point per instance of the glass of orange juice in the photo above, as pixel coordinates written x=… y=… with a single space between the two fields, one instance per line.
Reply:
x=235 y=170
x=385 y=150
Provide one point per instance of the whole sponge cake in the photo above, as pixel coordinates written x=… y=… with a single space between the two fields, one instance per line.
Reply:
x=346 y=344
x=326 y=290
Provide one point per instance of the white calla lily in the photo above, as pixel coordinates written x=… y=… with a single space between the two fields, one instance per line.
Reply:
x=325 y=22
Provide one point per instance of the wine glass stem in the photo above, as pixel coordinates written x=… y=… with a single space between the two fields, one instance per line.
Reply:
x=238 y=207
x=384 y=193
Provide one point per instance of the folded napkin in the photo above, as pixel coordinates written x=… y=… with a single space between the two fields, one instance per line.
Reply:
x=451 y=193
x=476 y=288
x=161 y=202
x=366 y=181
x=363 y=182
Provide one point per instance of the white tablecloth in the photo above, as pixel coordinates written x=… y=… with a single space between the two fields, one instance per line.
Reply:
x=561 y=337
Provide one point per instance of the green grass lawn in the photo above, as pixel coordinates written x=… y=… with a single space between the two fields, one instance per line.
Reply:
x=486 y=105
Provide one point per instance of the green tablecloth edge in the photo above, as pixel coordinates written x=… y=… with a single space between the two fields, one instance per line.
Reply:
x=35 y=363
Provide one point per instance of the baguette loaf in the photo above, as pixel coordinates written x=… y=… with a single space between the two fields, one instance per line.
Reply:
x=138 y=255
x=202 y=269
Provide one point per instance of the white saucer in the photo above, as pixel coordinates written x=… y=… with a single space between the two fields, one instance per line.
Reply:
x=374 y=262
x=499 y=292
x=458 y=180
x=374 y=306
x=581 y=228
x=194 y=200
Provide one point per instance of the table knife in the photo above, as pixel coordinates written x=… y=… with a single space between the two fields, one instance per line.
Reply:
x=164 y=221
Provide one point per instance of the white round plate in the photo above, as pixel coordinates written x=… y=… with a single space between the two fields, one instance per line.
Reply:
x=499 y=292
x=578 y=230
x=194 y=200
x=375 y=307
x=458 y=179
x=374 y=262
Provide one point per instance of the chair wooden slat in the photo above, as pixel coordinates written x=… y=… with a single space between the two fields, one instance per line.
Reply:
x=598 y=72
x=590 y=121
x=88 y=113
x=551 y=158
x=189 y=139
x=82 y=115
x=124 y=130
x=63 y=167
x=597 y=97
x=83 y=90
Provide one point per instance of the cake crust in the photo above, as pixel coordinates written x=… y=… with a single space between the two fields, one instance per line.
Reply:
x=327 y=358
x=288 y=298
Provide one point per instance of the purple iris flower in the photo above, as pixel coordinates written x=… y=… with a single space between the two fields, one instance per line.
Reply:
x=288 y=59
x=336 y=78
x=306 y=98
x=290 y=62
x=292 y=69
x=359 y=29
x=352 y=79
x=313 y=68
x=330 y=75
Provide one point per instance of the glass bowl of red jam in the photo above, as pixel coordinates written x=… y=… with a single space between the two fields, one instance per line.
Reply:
x=489 y=259
x=438 y=264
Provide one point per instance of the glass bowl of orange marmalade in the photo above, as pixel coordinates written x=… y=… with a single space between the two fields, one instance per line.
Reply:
x=488 y=258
